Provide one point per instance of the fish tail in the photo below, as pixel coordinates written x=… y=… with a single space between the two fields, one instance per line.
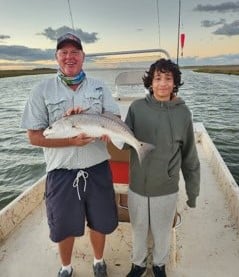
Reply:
x=143 y=150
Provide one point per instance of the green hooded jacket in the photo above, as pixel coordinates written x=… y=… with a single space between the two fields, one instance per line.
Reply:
x=168 y=126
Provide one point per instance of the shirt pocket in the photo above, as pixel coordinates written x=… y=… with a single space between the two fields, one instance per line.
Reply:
x=94 y=100
x=56 y=108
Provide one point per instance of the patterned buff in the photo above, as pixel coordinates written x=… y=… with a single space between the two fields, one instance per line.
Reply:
x=76 y=80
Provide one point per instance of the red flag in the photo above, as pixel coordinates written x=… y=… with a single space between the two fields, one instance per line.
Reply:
x=182 y=39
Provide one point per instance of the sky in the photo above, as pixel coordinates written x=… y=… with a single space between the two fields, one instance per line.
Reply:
x=29 y=29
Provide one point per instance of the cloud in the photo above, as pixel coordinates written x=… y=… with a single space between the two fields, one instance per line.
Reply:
x=20 y=56
x=231 y=29
x=228 y=29
x=211 y=23
x=2 y=37
x=26 y=54
x=15 y=52
x=23 y=53
x=221 y=8
x=84 y=36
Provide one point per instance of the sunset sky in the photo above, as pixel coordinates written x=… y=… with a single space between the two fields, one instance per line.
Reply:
x=29 y=29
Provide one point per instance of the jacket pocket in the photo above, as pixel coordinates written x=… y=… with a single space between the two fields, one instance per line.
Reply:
x=175 y=165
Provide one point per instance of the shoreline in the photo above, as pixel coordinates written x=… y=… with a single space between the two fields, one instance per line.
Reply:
x=23 y=72
x=214 y=69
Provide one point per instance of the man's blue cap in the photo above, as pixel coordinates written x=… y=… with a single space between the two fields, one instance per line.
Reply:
x=70 y=38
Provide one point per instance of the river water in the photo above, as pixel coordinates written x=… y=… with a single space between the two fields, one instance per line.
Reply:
x=213 y=99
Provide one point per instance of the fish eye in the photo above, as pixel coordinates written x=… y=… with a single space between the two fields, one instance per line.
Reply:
x=50 y=127
x=73 y=126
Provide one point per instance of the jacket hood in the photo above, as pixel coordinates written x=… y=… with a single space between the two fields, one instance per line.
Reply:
x=155 y=103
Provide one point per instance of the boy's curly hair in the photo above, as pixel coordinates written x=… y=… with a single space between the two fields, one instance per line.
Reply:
x=163 y=65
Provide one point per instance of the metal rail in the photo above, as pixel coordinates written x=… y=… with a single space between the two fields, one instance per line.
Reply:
x=129 y=52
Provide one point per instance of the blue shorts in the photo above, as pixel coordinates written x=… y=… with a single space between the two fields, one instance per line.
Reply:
x=75 y=196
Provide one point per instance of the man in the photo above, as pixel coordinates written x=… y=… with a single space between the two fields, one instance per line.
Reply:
x=79 y=183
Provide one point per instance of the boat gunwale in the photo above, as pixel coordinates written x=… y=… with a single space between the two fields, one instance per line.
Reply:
x=221 y=172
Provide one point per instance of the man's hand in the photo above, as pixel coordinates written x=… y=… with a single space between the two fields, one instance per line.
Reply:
x=81 y=140
x=75 y=110
x=105 y=138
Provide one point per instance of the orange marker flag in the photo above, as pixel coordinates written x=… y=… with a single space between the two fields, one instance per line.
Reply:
x=182 y=39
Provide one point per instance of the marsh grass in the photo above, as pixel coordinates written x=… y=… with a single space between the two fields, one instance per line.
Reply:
x=219 y=69
x=14 y=73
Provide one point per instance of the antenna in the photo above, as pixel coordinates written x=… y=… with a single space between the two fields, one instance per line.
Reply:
x=179 y=18
x=72 y=23
x=157 y=3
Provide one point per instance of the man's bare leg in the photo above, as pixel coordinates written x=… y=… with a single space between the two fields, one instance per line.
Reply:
x=65 y=250
x=98 y=243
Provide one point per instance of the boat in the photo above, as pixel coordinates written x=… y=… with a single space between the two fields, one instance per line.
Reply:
x=205 y=240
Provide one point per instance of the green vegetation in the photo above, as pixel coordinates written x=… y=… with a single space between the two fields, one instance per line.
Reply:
x=13 y=73
x=220 y=69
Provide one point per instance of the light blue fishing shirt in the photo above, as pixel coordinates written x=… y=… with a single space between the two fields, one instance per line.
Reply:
x=50 y=100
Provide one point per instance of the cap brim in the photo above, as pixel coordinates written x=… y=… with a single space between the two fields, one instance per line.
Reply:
x=73 y=42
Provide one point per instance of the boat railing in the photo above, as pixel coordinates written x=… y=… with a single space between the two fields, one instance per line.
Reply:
x=130 y=82
x=133 y=77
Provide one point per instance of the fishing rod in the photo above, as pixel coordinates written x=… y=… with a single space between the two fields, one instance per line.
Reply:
x=72 y=22
x=179 y=22
x=125 y=52
x=157 y=4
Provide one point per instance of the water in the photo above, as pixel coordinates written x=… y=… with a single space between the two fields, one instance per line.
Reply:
x=213 y=99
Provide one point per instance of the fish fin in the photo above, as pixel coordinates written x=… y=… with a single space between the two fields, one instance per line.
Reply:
x=118 y=143
x=144 y=150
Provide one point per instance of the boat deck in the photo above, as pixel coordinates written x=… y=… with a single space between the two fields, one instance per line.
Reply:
x=208 y=239
x=205 y=244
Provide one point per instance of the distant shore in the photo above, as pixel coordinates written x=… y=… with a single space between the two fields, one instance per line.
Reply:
x=219 y=69
x=22 y=72
x=216 y=69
